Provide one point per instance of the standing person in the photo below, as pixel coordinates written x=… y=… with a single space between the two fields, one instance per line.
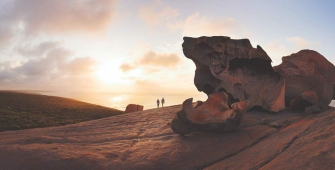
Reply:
x=157 y=102
x=163 y=101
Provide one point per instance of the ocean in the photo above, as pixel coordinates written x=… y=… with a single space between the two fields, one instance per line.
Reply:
x=121 y=100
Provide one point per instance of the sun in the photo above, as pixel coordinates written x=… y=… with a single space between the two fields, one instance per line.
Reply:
x=112 y=74
x=108 y=75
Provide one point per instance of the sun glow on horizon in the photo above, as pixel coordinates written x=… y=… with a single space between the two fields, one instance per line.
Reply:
x=119 y=98
x=112 y=74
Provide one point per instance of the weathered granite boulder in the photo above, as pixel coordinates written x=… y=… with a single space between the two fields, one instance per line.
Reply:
x=309 y=79
x=235 y=67
x=212 y=115
x=133 y=108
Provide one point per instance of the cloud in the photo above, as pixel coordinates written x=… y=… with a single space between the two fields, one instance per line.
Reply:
x=162 y=84
x=54 y=65
x=81 y=66
x=5 y=35
x=301 y=43
x=197 y=25
x=50 y=64
x=6 y=32
x=126 y=67
x=152 y=59
x=161 y=60
x=156 y=13
x=6 y=72
x=54 y=16
x=277 y=49
x=38 y=50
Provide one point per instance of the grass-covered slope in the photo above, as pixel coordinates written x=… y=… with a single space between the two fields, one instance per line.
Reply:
x=23 y=111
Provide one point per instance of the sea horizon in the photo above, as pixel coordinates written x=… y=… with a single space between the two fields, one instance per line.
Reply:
x=120 y=101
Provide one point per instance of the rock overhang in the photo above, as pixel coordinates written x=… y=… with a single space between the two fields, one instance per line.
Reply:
x=236 y=75
x=225 y=64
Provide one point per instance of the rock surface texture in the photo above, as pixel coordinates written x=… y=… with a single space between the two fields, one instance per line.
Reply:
x=212 y=115
x=309 y=80
x=133 y=108
x=235 y=67
x=145 y=140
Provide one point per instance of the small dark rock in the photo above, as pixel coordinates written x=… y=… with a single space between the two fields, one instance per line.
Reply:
x=312 y=109
x=133 y=108
x=276 y=124
x=282 y=123
x=265 y=121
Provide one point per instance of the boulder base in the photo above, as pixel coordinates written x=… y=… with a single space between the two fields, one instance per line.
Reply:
x=213 y=115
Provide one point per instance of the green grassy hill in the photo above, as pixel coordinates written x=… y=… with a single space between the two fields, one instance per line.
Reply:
x=23 y=111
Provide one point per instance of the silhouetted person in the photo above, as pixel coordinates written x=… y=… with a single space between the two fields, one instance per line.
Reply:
x=157 y=102
x=163 y=101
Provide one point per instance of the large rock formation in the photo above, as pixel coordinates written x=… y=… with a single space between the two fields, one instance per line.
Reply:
x=212 y=115
x=309 y=79
x=235 y=67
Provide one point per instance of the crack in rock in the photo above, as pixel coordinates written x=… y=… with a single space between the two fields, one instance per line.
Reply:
x=286 y=146
x=235 y=153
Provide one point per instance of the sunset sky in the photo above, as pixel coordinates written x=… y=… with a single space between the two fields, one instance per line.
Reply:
x=135 y=45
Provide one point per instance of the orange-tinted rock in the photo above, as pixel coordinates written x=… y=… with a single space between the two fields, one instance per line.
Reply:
x=133 y=108
x=138 y=140
x=235 y=67
x=309 y=80
x=212 y=115
x=306 y=144
x=144 y=140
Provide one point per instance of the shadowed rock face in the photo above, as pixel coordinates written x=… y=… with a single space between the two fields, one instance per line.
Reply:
x=212 y=115
x=309 y=80
x=235 y=67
